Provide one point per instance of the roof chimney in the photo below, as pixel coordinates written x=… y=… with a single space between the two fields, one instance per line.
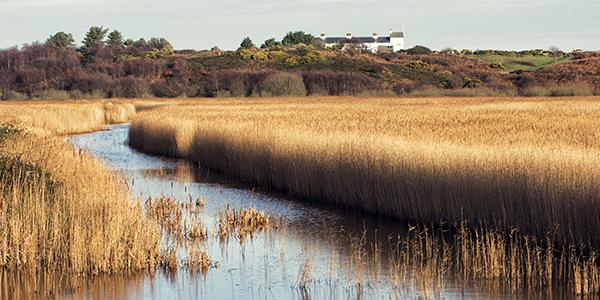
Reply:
x=375 y=36
x=323 y=36
x=349 y=35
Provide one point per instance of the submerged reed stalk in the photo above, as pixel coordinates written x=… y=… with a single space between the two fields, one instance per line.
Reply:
x=241 y=223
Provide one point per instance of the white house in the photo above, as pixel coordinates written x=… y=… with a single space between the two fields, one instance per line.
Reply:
x=375 y=43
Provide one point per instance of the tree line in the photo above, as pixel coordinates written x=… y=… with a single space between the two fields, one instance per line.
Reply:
x=292 y=38
x=106 y=65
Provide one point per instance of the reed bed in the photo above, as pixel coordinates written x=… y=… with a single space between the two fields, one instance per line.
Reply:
x=52 y=220
x=62 y=214
x=508 y=163
x=65 y=117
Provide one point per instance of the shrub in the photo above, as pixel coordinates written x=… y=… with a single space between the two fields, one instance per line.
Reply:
x=337 y=83
x=471 y=83
x=432 y=91
x=167 y=89
x=260 y=56
x=419 y=50
x=419 y=65
x=12 y=95
x=291 y=61
x=131 y=87
x=572 y=89
x=146 y=68
x=283 y=84
x=535 y=91
x=278 y=55
x=245 y=54
x=312 y=57
x=52 y=95
x=563 y=90
x=90 y=83
x=498 y=66
x=236 y=83
x=404 y=86
x=377 y=93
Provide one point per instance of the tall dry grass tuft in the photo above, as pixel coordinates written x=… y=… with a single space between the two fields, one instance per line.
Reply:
x=246 y=221
x=499 y=163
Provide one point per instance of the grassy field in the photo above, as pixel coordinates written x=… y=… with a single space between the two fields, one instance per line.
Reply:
x=522 y=62
x=529 y=164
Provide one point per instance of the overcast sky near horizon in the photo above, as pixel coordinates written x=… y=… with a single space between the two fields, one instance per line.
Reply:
x=197 y=24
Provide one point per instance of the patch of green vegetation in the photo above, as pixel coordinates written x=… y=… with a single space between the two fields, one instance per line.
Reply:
x=14 y=170
x=511 y=62
x=7 y=131
x=225 y=61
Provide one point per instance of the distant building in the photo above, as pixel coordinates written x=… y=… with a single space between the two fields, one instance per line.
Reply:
x=375 y=43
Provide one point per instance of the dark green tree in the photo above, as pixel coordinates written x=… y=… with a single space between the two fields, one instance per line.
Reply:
x=160 y=44
x=272 y=42
x=115 y=38
x=93 y=37
x=129 y=42
x=61 y=40
x=295 y=38
x=419 y=50
x=247 y=43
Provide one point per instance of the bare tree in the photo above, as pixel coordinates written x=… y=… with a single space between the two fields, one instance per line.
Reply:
x=555 y=52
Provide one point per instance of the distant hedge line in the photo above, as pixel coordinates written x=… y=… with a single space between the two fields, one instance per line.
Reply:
x=41 y=71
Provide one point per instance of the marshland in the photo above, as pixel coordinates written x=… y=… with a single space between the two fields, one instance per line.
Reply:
x=300 y=198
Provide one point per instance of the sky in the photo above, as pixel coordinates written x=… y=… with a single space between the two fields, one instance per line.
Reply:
x=201 y=24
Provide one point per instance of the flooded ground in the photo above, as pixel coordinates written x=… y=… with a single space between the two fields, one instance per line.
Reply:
x=315 y=252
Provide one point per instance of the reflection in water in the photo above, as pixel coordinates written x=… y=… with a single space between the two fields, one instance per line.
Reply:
x=315 y=253
x=24 y=286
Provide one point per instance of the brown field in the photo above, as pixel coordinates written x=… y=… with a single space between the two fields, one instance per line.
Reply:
x=531 y=164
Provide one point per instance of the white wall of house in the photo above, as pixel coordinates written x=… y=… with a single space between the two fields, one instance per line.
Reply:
x=395 y=43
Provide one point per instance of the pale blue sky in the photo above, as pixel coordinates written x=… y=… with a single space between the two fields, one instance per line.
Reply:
x=199 y=24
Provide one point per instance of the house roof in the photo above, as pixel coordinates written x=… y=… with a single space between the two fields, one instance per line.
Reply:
x=360 y=39
x=369 y=39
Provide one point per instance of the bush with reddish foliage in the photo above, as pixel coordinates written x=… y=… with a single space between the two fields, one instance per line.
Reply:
x=338 y=83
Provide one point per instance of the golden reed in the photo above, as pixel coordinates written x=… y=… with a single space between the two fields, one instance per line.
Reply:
x=60 y=210
x=530 y=164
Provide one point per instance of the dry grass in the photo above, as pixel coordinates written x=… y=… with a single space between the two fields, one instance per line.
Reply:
x=65 y=117
x=241 y=223
x=530 y=164
x=53 y=220
x=198 y=260
x=60 y=210
x=179 y=220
